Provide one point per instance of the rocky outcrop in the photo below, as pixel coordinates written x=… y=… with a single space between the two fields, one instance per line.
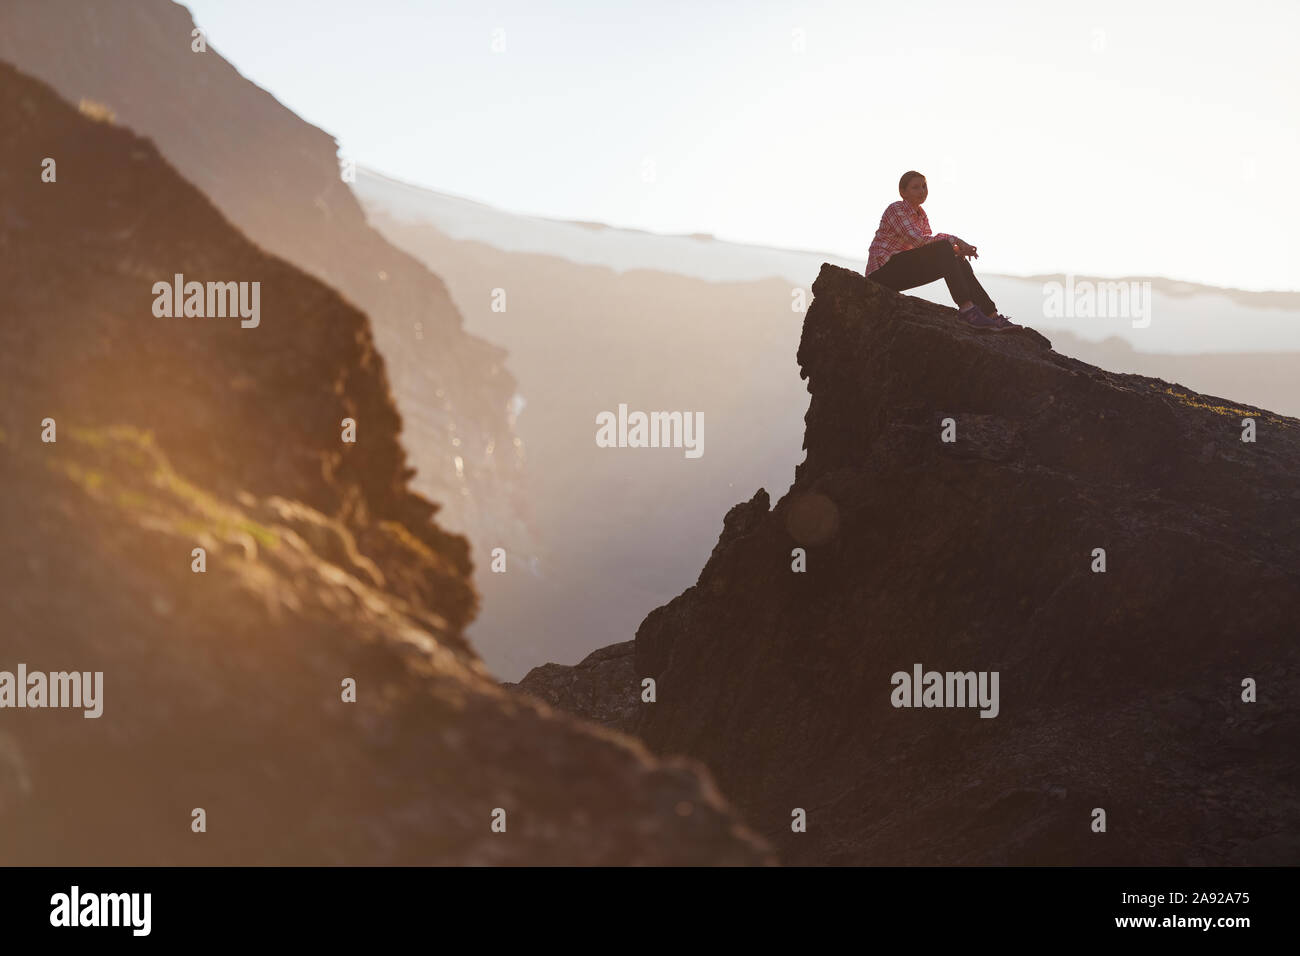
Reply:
x=1120 y=689
x=278 y=179
x=182 y=515
x=602 y=687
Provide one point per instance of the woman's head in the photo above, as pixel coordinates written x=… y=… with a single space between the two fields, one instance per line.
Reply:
x=912 y=187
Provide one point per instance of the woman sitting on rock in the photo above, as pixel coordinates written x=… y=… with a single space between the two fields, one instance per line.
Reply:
x=904 y=255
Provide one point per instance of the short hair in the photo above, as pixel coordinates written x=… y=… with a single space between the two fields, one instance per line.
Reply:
x=907 y=178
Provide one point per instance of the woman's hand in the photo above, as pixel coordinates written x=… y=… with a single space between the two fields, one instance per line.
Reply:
x=966 y=249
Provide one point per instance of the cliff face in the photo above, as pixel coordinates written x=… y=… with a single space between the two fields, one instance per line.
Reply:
x=1118 y=689
x=652 y=340
x=223 y=690
x=277 y=178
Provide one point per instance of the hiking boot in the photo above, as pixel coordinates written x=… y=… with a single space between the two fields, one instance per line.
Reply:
x=977 y=319
x=1004 y=323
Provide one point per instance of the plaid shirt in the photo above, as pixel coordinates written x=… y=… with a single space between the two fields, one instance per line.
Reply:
x=902 y=227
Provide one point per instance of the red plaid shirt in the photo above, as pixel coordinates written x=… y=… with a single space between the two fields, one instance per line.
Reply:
x=902 y=227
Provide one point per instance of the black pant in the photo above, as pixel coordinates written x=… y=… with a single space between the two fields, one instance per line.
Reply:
x=934 y=260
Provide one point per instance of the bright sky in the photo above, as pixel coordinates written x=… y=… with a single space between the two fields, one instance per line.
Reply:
x=1114 y=137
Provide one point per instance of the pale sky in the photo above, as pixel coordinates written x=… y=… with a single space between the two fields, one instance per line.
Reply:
x=1103 y=138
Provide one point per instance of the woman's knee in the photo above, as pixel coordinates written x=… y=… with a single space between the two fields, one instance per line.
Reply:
x=941 y=253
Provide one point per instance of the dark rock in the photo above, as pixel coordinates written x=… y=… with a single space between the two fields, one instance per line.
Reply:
x=603 y=687
x=977 y=556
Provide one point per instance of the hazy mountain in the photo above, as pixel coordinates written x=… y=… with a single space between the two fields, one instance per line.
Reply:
x=589 y=243
x=1184 y=317
x=1287 y=301
x=278 y=179
x=1120 y=686
x=222 y=683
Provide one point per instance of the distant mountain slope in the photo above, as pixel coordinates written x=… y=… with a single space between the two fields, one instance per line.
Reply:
x=1185 y=318
x=223 y=690
x=277 y=178
x=587 y=243
x=1288 y=301
x=1120 y=690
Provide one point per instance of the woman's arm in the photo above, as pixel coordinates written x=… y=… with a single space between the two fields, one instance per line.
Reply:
x=910 y=226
